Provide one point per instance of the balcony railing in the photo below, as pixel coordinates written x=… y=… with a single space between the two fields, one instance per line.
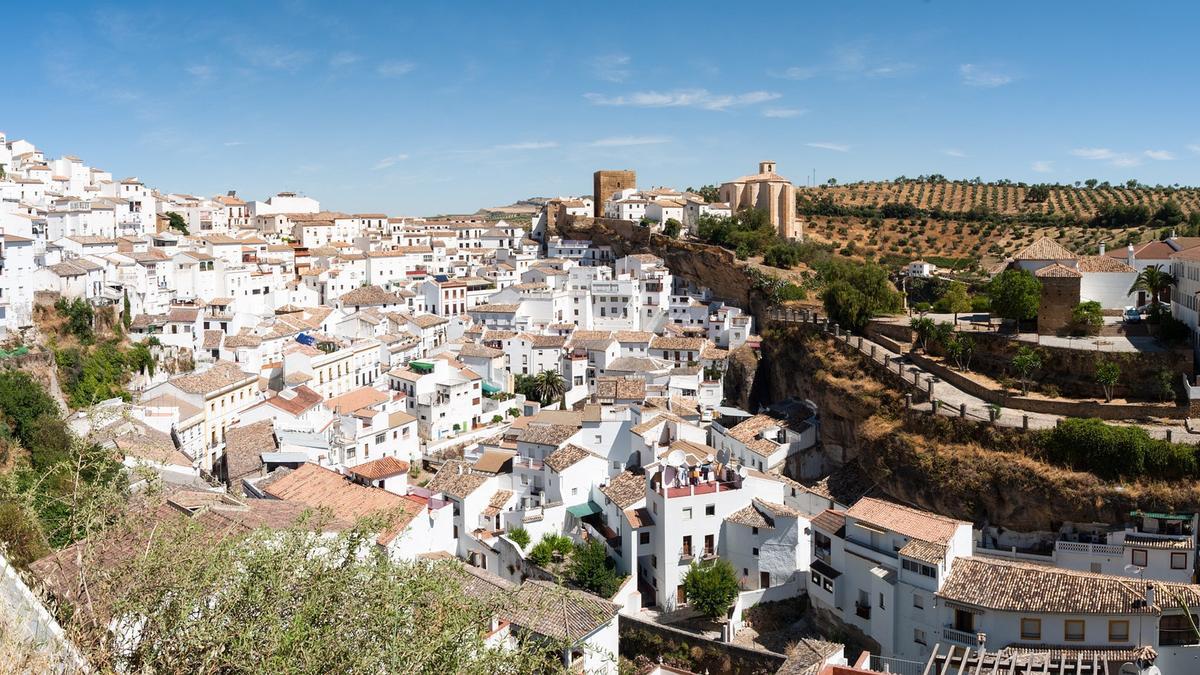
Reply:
x=824 y=555
x=862 y=611
x=1089 y=549
x=685 y=553
x=698 y=489
x=962 y=637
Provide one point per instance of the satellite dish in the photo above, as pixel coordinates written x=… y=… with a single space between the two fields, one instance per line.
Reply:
x=710 y=458
x=743 y=471
x=676 y=458
x=1133 y=569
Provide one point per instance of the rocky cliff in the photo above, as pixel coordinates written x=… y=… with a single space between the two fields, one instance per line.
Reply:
x=960 y=469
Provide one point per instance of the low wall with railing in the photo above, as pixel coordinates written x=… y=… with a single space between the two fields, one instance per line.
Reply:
x=692 y=652
x=747 y=599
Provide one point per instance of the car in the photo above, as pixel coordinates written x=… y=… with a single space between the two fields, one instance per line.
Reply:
x=1131 y=315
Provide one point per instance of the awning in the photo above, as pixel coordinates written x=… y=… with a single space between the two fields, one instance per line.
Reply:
x=584 y=510
x=1162 y=516
x=489 y=388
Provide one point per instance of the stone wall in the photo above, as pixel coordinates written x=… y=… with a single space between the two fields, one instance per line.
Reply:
x=653 y=640
x=605 y=183
x=1073 y=371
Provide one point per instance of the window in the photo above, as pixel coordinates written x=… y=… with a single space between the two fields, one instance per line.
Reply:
x=881 y=605
x=1139 y=557
x=710 y=510
x=918 y=601
x=1178 y=561
x=918 y=636
x=828 y=585
x=1031 y=629
x=816 y=578
x=1073 y=631
x=754 y=551
x=1176 y=629
x=1118 y=631
x=380 y=438
x=687 y=513
x=923 y=570
x=643 y=537
x=654 y=561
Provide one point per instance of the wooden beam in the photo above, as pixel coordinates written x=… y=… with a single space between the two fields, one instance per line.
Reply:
x=946 y=664
x=932 y=659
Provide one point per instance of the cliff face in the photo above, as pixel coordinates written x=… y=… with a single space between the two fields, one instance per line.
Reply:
x=710 y=266
x=958 y=469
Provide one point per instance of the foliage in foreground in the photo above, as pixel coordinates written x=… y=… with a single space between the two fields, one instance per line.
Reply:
x=290 y=601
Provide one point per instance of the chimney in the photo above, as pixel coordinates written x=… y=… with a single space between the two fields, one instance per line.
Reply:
x=1149 y=595
x=1102 y=246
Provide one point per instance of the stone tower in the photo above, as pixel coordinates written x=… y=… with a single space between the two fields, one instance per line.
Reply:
x=605 y=183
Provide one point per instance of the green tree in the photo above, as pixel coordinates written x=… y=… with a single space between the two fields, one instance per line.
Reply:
x=1168 y=215
x=1037 y=193
x=22 y=402
x=551 y=386
x=954 y=300
x=672 y=227
x=961 y=348
x=593 y=570
x=520 y=536
x=177 y=222
x=1155 y=282
x=1015 y=294
x=923 y=328
x=709 y=193
x=126 y=312
x=1087 y=318
x=1026 y=361
x=1091 y=183
x=856 y=292
x=1108 y=373
x=711 y=587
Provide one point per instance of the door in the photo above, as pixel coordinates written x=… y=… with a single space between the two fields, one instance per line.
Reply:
x=764 y=579
x=708 y=545
x=680 y=595
x=964 y=621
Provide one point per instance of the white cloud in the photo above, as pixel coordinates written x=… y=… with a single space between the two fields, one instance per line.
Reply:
x=612 y=67
x=342 y=59
x=1112 y=158
x=388 y=162
x=1094 y=153
x=836 y=147
x=1195 y=147
x=529 y=145
x=233 y=144
x=1043 y=166
x=783 y=112
x=853 y=59
x=954 y=152
x=626 y=141
x=974 y=75
x=272 y=57
x=395 y=68
x=200 y=72
x=1161 y=155
x=684 y=98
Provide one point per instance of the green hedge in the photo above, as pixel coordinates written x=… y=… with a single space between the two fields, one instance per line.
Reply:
x=1112 y=451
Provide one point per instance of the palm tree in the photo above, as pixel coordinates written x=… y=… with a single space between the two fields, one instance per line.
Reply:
x=1155 y=282
x=550 y=385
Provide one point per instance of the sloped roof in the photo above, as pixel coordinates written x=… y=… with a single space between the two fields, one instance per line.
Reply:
x=1045 y=249
x=319 y=487
x=1058 y=270
x=557 y=612
x=907 y=521
x=384 y=467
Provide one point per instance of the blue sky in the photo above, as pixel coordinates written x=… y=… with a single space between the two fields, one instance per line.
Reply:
x=447 y=107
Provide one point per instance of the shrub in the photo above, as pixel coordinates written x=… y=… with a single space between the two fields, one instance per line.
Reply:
x=711 y=587
x=592 y=569
x=1114 y=452
x=544 y=551
x=520 y=536
x=1086 y=318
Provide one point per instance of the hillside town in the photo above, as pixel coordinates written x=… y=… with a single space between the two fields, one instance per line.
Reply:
x=512 y=396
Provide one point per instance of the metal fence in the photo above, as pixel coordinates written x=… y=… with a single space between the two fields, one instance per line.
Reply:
x=883 y=664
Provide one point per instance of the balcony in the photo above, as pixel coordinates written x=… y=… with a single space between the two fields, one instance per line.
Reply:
x=698 y=489
x=962 y=637
x=862 y=611
x=824 y=555
x=686 y=554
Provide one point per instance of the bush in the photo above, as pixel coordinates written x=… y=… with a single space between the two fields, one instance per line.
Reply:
x=711 y=587
x=544 y=551
x=593 y=570
x=1086 y=318
x=1115 y=452
x=520 y=536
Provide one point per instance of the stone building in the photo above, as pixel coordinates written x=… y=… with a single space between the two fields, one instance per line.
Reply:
x=770 y=192
x=1060 y=294
x=606 y=182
